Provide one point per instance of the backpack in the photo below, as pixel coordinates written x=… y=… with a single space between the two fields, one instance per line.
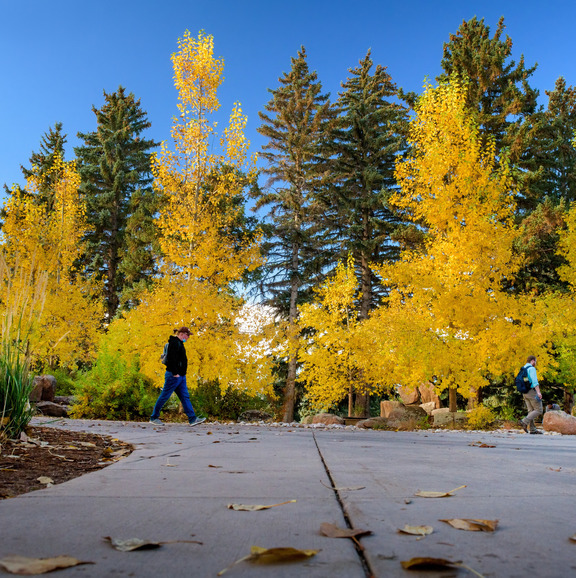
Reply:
x=522 y=382
x=164 y=354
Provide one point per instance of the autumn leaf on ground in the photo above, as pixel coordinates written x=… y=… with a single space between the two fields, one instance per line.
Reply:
x=46 y=480
x=481 y=445
x=573 y=538
x=438 y=494
x=425 y=563
x=255 y=508
x=343 y=489
x=333 y=531
x=30 y=566
x=416 y=530
x=130 y=544
x=273 y=556
x=211 y=466
x=472 y=525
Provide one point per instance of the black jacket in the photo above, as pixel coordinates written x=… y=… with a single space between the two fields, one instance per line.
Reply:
x=176 y=360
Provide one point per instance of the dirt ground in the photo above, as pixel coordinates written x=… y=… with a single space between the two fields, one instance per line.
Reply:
x=54 y=456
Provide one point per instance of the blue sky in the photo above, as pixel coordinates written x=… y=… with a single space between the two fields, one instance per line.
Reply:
x=57 y=57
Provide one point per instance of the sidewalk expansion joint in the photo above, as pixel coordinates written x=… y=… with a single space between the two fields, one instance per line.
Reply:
x=359 y=549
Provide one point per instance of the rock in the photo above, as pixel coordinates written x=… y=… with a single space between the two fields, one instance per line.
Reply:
x=408 y=395
x=306 y=420
x=372 y=423
x=440 y=410
x=327 y=419
x=64 y=399
x=560 y=422
x=44 y=388
x=386 y=407
x=428 y=407
x=255 y=415
x=427 y=394
x=407 y=412
x=51 y=408
x=449 y=418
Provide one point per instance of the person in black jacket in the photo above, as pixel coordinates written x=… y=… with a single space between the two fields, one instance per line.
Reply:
x=175 y=379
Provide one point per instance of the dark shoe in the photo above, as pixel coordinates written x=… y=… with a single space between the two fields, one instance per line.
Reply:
x=536 y=431
x=523 y=426
x=197 y=421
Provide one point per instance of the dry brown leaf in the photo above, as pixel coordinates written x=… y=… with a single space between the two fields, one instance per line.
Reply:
x=333 y=531
x=46 y=480
x=211 y=466
x=130 y=544
x=438 y=494
x=89 y=445
x=344 y=489
x=273 y=556
x=256 y=508
x=472 y=525
x=29 y=566
x=481 y=445
x=416 y=530
x=573 y=538
x=427 y=563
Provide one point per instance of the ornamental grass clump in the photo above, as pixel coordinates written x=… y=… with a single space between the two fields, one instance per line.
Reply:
x=22 y=292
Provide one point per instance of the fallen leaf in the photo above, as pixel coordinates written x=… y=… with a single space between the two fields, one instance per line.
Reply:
x=88 y=445
x=255 y=508
x=427 y=563
x=30 y=566
x=211 y=466
x=333 y=531
x=46 y=480
x=472 y=525
x=273 y=556
x=131 y=544
x=416 y=530
x=555 y=469
x=481 y=445
x=573 y=538
x=438 y=494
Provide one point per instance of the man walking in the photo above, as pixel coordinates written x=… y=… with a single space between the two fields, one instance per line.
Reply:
x=175 y=378
x=532 y=399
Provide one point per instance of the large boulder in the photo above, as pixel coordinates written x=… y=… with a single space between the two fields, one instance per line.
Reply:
x=408 y=395
x=44 y=388
x=458 y=418
x=328 y=419
x=373 y=423
x=387 y=407
x=407 y=412
x=52 y=409
x=560 y=422
x=428 y=395
x=428 y=407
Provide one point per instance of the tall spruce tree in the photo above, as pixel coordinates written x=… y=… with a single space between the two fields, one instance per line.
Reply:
x=41 y=165
x=114 y=164
x=498 y=91
x=294 y=122
x=359 y=159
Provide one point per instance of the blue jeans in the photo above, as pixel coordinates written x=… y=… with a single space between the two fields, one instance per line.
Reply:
x=174 y=384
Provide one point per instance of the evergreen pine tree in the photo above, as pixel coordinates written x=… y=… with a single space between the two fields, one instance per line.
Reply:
x=360 y=153
x=498 y=91
x=114 y=164
x=293 y=124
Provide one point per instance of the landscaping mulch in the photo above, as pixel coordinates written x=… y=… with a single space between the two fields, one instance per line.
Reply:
x=53 y=454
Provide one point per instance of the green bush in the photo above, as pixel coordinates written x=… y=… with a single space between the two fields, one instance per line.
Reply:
x=208 y=400
x=114 y=389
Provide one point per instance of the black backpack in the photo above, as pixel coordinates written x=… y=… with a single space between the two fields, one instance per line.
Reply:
x=522 y=382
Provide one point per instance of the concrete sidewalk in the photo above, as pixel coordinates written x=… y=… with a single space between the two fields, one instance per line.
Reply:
x=177 y=484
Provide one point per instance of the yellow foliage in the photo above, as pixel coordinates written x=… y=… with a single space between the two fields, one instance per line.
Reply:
x=48 y=241
x=447 y=317
x=336 y=356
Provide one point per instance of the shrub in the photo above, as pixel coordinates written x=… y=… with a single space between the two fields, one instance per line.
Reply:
x=481 y=417
x=114 y=389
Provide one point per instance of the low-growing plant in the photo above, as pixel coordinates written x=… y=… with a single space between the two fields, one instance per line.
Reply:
x=481 y=417
x=114 y=389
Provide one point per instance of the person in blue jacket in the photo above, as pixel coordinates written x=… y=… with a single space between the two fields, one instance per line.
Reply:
x=175 y=379
x=532 y=399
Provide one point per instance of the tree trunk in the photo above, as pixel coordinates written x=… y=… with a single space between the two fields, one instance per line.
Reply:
x=452 y=404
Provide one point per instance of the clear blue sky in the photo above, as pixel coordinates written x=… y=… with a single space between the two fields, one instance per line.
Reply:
x=56 y=57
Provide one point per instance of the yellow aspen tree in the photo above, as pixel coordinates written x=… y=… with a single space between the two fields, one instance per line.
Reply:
x=448 y=317
x=205 y=247
x=333 y=349
x=49 y=241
